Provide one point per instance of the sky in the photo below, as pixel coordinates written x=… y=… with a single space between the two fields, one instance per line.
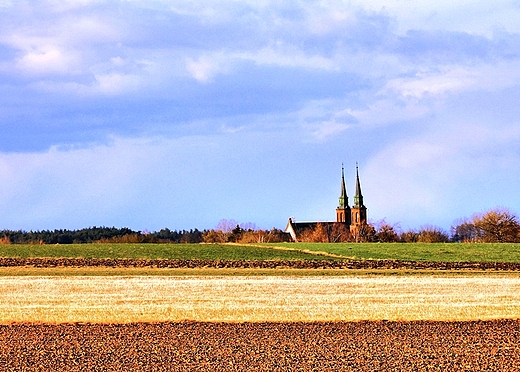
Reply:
x=150 y=113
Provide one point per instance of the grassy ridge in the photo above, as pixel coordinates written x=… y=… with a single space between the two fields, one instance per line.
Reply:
x=445 y=252
x=451 y=252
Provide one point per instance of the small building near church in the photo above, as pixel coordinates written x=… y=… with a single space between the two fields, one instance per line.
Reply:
x=353 y=218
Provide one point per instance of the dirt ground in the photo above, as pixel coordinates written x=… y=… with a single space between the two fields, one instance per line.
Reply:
x=252 y=264
x=194 y=346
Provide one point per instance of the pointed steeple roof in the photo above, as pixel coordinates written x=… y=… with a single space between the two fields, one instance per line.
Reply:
x=343 y=198
x=358 y=198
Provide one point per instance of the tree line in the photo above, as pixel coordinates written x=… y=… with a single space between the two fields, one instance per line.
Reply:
x=99 y=235
x=498 y=225
x=226 y=231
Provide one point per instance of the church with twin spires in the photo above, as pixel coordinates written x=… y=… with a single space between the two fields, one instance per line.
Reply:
x=353 y=217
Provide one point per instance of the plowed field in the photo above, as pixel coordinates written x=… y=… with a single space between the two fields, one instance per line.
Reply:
x=194 y=346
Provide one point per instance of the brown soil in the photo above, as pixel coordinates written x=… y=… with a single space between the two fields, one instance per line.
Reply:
x=237 y=264
x=193 y=346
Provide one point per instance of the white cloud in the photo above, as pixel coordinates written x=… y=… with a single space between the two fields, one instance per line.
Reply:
x=58 y=46
x=115 y=83
x=205 y=67
x=415 y=98
x=202 y=69
x=105 y=84
x=456 y=79
x=46 y=60
x=328 y=17
x=87 y=31
x=433 y=83
x=321 y=120
x=286 y=55
x=326 y=130
x=387 y=110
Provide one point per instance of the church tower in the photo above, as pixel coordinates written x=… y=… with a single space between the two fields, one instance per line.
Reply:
x=343 y=213
x=359 y=211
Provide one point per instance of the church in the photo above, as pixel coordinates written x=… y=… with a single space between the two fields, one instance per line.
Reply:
x=351 y=217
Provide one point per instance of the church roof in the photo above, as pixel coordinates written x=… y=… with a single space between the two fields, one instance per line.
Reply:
x=296 y=228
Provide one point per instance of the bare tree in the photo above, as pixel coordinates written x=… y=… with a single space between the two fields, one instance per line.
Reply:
x=214 y=236
x=410 y=236
x=226 y=226
x=366 y=233
x=340 y=232
x=497 y=225
x=432 y=234
x=385 y=232
x=265 y=236
x=248 y=226
x=464 y=231
x=276 y=236
x=320 y=233
x=252 y=236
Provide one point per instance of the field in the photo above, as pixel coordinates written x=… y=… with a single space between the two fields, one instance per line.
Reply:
x=314 y=310
x=279 y=347
x=441 y=252
x=118 y=299
x=157 y=251
x=445 y=252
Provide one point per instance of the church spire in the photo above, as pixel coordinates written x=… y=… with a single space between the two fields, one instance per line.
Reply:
x=343 y=212
x=343 y=198
x=358 y=198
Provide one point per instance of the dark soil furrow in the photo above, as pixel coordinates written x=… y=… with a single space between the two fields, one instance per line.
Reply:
x=266 y=264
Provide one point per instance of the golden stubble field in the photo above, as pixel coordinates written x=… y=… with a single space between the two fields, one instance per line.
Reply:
x=119 y=299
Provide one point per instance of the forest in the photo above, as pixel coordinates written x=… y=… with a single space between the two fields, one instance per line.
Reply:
x=99 y=235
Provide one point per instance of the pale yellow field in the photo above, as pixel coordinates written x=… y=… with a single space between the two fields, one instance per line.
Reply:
x=239 y=298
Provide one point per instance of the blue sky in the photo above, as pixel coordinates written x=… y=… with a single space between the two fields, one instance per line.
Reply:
x=152 y=114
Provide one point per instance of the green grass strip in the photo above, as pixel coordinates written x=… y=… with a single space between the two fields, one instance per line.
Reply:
x=432 y=252
x=157 y=251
